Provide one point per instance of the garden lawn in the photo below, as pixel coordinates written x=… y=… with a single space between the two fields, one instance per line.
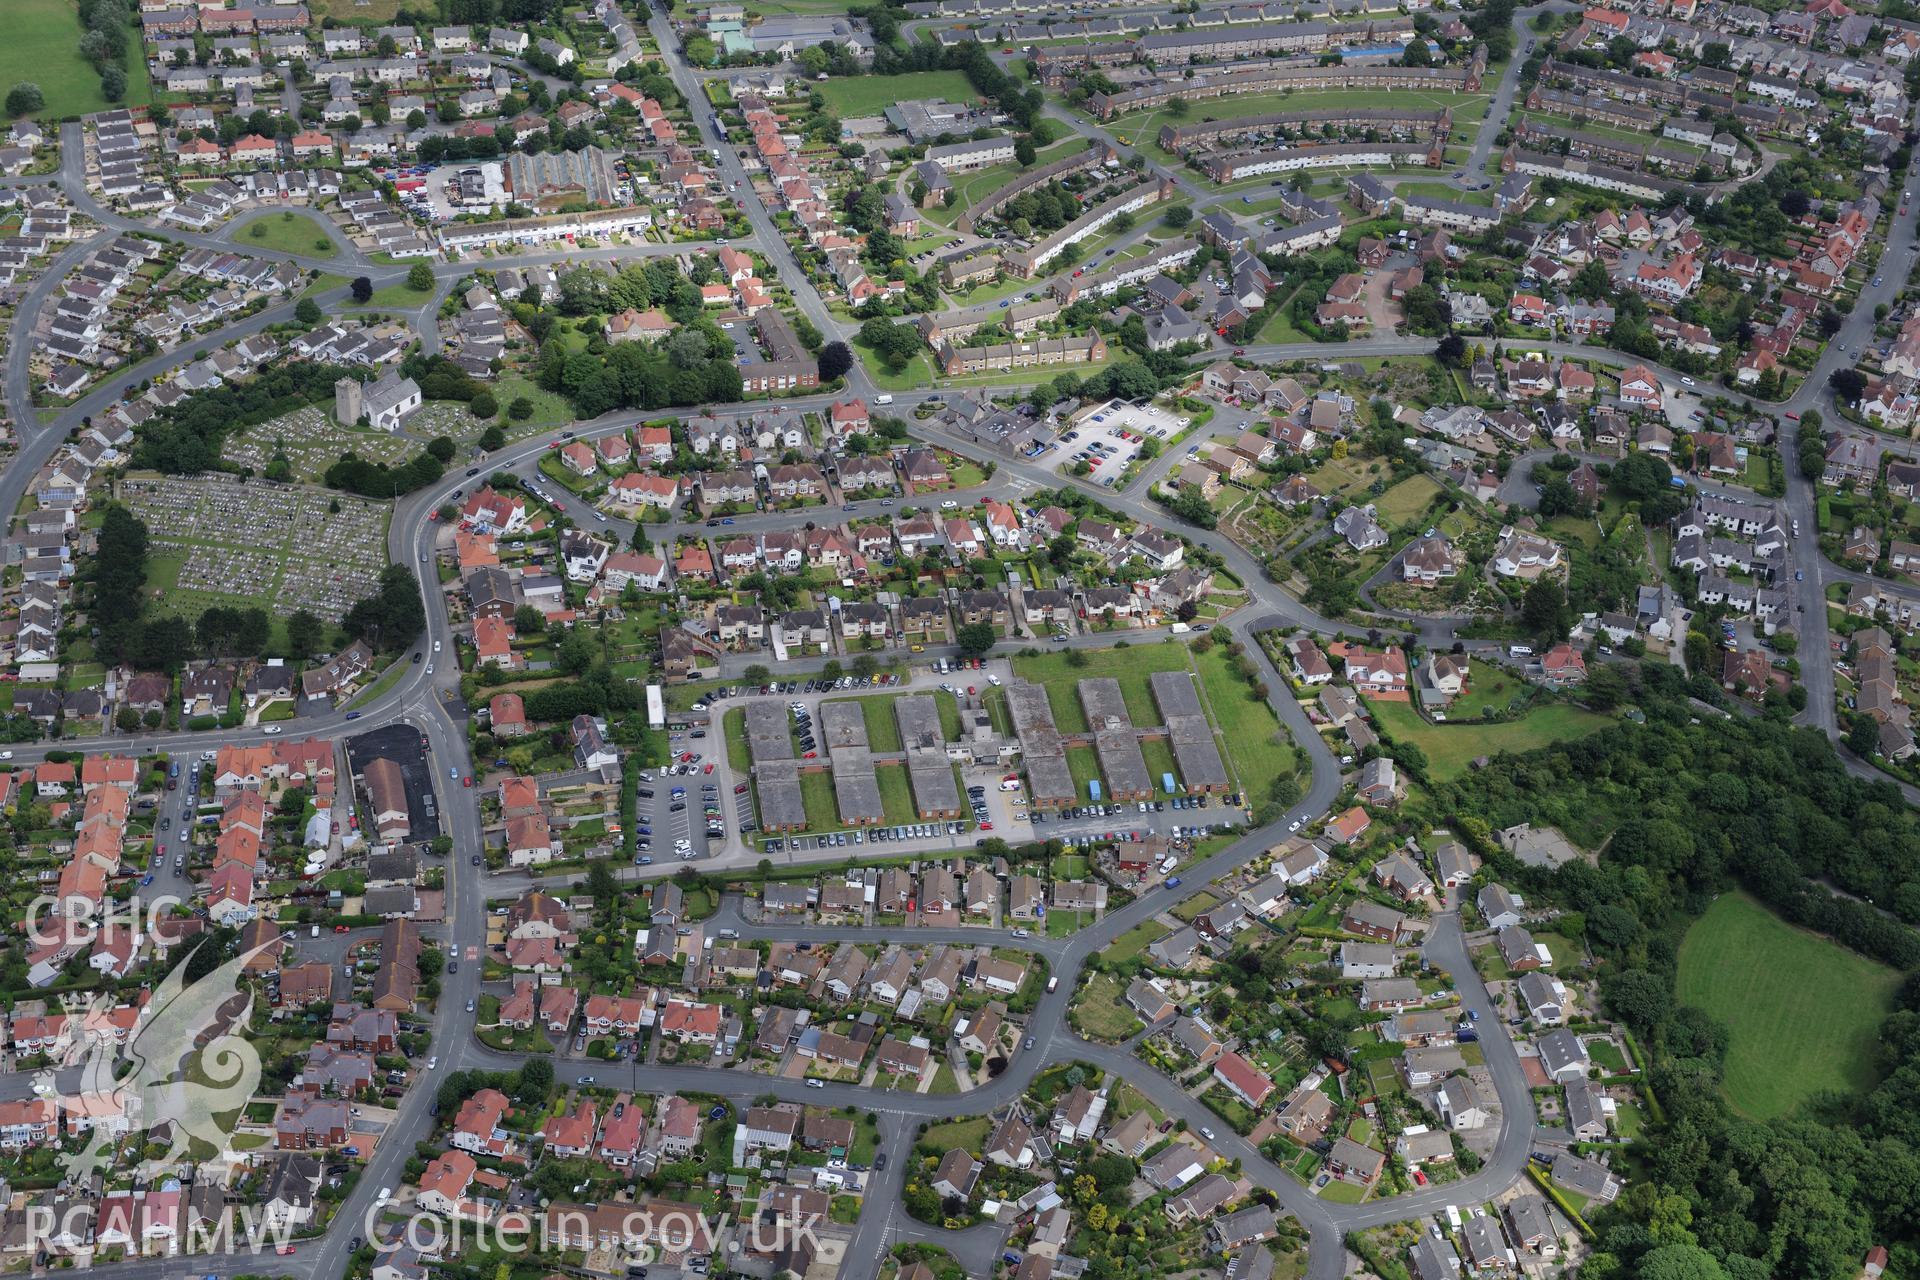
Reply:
x=734 y=725
x=823 y=811
x=1802 y=1011
x=1451 y=748
x=970 y=1133
x=896 y=797
x=1085 y=765
x=976 y=187
x=1100 y=1011
x=870 y=95
x=1159 y=758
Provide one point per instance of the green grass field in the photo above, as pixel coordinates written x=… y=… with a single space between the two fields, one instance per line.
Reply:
x=399 y=297
x=870 y=95
x=1130 y=666
x=43 y=46
x=549 y=410
x=1450 y=748
x=1804 y=1012
x=1257 y=749
x=1445 y=191
x=290 y=232
x=896 y=796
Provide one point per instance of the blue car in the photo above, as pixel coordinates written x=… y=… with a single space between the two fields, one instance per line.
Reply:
x=726 y=520
x=146 y=880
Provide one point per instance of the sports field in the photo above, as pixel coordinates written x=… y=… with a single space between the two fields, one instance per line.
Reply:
x=870 y=95
x=43 y=46
x=1804 y=1013
x=1450 y=748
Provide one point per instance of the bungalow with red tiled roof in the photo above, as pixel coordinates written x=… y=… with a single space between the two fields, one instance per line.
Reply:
x=254 y=149
x=493 y=642
x=1528 y=308
x=1242 y=1079
x=1349 y=826
x=517 y=1010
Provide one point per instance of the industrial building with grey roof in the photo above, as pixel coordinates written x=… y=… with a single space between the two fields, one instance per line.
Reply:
x=776 y=774
x=1049 y=780
x=843 y=727
x=936 y=794
x=1115 y=739
x=1194 y=750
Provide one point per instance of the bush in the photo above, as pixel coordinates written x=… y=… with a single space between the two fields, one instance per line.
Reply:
x=25 y=98
x=484 y=405
x=520 y=409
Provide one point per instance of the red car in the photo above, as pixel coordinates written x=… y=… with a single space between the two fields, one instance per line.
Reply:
x=708 y=768
x=467 y=781
x=340 y=928
x=986 y=826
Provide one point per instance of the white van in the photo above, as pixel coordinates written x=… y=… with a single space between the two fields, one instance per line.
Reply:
x=886 y=398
